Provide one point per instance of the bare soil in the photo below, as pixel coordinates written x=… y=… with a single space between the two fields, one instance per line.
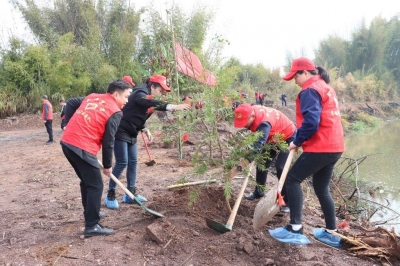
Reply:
x=41 y=218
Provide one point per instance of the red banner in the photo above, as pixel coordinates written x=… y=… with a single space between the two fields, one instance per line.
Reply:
x=190 y=65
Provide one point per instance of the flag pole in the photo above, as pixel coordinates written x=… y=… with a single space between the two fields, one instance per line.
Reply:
x=179 y=140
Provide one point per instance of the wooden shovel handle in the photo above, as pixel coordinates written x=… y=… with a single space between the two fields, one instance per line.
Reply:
x=231 y=219
x=285 y=170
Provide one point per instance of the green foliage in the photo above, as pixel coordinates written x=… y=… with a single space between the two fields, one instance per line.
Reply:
x=359 y=126
x=369 y=120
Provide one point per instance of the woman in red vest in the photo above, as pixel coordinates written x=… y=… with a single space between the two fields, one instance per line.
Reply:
x=269 y=121
x=320 y=134
x=92 y=127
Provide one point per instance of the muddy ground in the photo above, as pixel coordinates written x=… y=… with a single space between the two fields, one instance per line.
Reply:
x=41 y=219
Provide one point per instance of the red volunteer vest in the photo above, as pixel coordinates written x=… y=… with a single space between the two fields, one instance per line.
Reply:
x=50 y=117
x=280 y=123
x=329 y=136
x=86 y=128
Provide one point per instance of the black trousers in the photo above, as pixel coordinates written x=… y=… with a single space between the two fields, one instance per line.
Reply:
x=91 y=186
x=62 y=123
x=49 y=128
x=320 y=166
x=261 y=176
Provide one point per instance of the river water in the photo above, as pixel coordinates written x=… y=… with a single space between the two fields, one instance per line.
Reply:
x=381 y=169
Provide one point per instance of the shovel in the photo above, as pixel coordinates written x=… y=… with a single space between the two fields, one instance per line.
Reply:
x=268 y=206
x=157 y=214
x=151 y=162
x=228 y=227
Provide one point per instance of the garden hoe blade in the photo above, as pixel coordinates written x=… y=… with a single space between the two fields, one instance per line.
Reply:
x=268 y=206
x=151 y=162
x=229 y=224
x=157 y=214
x=216 y=226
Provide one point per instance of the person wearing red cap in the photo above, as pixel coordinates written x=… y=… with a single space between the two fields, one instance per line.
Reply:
x=141 y=105
x=269 y=122
x=129 y=80
x=320 y=134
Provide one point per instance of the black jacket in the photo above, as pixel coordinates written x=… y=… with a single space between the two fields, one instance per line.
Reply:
x=136 y=112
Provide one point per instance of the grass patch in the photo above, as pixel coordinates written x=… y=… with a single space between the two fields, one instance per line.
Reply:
x=359 y=126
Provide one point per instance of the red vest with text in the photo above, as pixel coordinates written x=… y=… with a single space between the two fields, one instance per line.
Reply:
x=50 y=116
x=329 y=136
x=280 y=123
x=86 y=128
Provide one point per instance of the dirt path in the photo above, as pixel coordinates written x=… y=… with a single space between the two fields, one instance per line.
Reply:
x=42 y=223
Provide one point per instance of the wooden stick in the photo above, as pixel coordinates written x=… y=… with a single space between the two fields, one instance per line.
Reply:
x=192 y=183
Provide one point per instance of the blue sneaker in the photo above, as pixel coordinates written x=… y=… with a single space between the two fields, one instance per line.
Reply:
x=289 y=236
x=324 y=236
x=127 y=199
x=110 y=200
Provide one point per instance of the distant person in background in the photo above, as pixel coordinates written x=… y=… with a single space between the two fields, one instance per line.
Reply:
x=91 y=125
x=47 y=117
x=283 y=98
x=62 y=104
x=257 y=96
x=320 y=134
x=261 y=98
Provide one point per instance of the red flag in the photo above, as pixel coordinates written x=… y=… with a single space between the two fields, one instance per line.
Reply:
x=190 y=65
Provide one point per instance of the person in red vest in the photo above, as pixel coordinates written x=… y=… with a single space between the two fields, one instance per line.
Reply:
x=320 y=135
x=91 y=128
x=269 y=121
x=261 y=98
x=257 y=96
x=47 y=117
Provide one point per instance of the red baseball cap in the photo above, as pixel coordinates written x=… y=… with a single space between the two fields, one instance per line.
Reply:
x=242 y=114
x=161 y=80
x=129 y=80
x=301 y=63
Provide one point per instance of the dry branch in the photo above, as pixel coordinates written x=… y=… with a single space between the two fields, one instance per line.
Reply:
x=193 y=183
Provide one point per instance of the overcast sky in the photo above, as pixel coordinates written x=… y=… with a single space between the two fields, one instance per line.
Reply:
x=260 y=31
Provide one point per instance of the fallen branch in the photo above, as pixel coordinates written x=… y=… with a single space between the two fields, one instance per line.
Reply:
x=166 y=245
x=377 y=242
x=193 y=183
x=191 y=255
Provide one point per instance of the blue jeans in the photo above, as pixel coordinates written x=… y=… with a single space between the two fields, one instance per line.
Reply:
x=320 y=167
x=125 y=155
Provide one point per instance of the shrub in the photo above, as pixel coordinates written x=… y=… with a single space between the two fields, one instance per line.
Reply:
x=359 y=126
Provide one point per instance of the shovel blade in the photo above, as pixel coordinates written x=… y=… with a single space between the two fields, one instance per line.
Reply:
x=216 y=226
x=151 y=163
x=266 y=209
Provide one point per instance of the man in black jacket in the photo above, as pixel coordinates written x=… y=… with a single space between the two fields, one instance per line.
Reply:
x=141 y=105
